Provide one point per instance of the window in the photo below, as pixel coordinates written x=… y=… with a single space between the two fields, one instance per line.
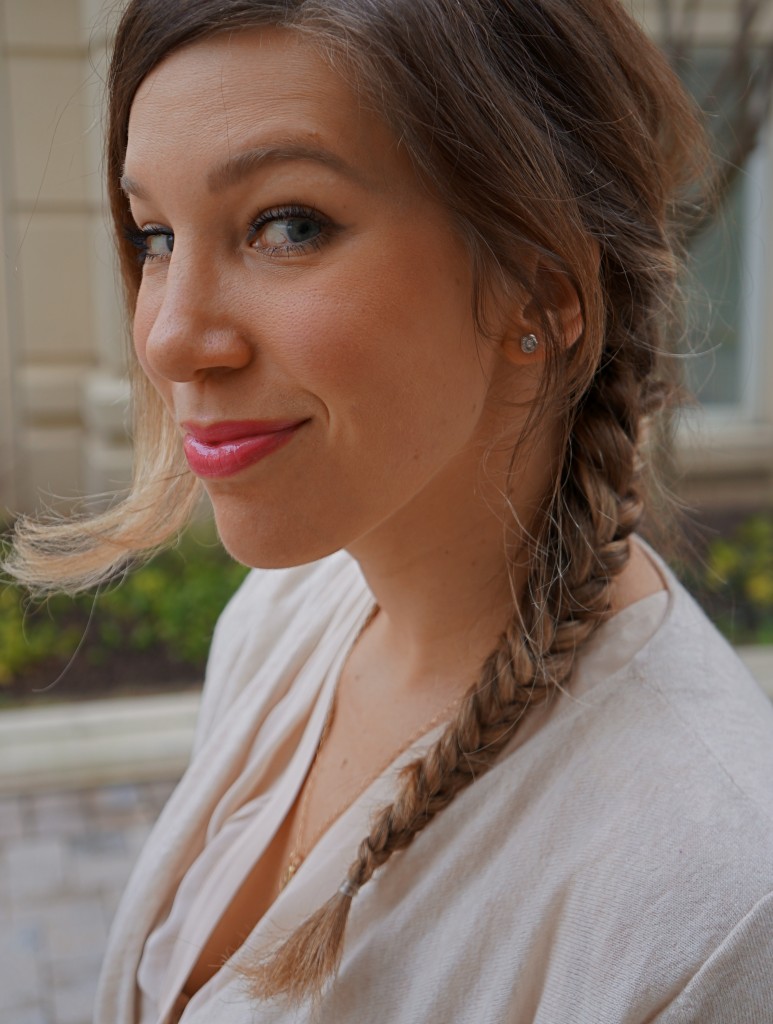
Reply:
x=726 y=318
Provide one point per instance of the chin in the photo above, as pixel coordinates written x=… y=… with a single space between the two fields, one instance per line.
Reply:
x=266 y=540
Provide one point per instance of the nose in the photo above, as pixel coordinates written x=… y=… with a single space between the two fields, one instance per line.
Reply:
x=187 y=325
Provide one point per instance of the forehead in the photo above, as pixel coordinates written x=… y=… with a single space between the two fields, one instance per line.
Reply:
x=230 y=92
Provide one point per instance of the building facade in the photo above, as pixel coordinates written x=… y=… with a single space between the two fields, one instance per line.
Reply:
x=63 y=395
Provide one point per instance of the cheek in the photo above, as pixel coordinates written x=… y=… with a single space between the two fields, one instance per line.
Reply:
x=383 y=336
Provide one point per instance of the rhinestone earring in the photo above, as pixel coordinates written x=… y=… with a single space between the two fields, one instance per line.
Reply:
x=529 y=344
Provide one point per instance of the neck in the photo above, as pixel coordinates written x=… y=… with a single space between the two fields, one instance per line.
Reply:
x=444 y=580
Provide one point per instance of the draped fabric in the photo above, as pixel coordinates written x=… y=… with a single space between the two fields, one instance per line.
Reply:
x=616 y=865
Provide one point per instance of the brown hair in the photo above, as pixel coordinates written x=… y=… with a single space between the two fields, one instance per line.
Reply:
x=549 y=125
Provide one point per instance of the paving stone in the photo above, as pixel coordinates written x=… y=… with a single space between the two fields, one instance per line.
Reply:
x=73 y=971
x=32 y=1014
x=25 y=934
x=135 y=838
x=59 y=814
x=5 y=897
x=157 y=794
x=102 y=865
x=70 y=928
x=20 y=977
x=116 y=799
x=11 y=818
x=65 y=858
x=74 y=985
x=98 y=842
x=35 y=869
x=110 y=900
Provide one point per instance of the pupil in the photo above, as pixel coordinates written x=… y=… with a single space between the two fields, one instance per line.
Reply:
x=301 y=230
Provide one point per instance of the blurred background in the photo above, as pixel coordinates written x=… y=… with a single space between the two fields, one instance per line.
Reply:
x=98 y=696
x=63 y=393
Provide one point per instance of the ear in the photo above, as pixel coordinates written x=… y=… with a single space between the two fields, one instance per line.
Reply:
x=554 y=294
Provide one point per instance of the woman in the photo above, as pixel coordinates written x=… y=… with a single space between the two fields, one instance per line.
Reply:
x=400 y=275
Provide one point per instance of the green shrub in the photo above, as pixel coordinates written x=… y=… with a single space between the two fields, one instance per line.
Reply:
x=26 y=641
x=736 y=582
x=170 y=605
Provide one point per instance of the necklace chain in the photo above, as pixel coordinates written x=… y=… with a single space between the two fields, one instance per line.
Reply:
x=297 y=853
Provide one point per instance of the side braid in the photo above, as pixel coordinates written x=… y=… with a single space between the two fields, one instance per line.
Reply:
x=586 y=545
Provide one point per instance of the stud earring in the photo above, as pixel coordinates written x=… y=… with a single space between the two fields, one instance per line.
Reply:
x=529 y=344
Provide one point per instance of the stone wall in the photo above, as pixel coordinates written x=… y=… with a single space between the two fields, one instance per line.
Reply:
x=61 y=334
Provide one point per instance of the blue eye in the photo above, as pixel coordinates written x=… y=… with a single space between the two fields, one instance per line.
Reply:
x=159 y=243
x=152 y=243
x=288 y=231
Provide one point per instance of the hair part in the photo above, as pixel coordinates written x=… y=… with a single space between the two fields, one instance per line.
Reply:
x=553 y=128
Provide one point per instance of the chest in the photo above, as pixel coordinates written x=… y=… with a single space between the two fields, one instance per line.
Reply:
x=357 y=746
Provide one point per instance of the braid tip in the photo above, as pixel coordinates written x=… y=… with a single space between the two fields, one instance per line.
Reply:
x=302 y=965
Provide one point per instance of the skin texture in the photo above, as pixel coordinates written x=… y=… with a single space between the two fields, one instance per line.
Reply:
x=365 y=332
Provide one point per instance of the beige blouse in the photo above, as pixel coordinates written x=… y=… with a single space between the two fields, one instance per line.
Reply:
x=616 y=865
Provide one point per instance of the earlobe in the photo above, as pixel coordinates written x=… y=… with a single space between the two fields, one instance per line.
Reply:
x=556 y=295
x=558 y=306
x=523 y=346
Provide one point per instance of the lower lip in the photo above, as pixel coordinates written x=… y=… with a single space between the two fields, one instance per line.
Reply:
x=230 y=457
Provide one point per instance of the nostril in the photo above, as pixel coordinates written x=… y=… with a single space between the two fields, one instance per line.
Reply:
x=182 y=333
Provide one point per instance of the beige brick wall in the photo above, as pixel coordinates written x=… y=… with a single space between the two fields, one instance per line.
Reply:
x=727 y=462
x=61 y=320
x=62 y=402
x=715 y=20
x=7 y=404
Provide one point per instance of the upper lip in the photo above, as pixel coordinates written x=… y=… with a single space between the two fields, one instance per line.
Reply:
x=233 y=430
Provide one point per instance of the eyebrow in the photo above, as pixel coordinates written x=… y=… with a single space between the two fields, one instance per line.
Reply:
x=239 y=166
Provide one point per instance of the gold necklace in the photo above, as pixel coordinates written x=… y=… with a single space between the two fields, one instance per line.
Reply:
x=297 y=854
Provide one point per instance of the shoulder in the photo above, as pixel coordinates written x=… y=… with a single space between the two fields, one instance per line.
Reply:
x=683 y=735
x=733 y=984
x=639 y=811
x=709 y=703
x=671 y=769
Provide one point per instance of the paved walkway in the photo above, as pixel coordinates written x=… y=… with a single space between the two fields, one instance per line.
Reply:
x=64 y=860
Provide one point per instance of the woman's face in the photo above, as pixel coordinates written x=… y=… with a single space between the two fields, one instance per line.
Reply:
x=305 y=306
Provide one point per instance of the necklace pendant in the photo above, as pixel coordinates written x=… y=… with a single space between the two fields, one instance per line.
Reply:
x=295 y=862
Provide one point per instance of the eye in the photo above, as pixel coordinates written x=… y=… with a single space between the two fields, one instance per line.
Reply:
x=288 y=231
x=153 y=242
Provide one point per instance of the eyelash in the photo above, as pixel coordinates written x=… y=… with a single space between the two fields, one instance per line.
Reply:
x=139 y=236
x=292 y=212
x=139 y=239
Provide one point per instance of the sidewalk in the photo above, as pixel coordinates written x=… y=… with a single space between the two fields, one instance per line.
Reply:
x=80 y=788
x=64 y=860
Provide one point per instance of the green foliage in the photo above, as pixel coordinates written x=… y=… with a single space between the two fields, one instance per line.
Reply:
x=736 y=583
x=170 y=605
x=23 y=643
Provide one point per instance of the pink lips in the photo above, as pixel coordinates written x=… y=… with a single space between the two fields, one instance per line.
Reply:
x=223 y=449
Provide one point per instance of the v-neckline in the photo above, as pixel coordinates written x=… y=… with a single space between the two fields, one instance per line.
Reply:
x=277 y=807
